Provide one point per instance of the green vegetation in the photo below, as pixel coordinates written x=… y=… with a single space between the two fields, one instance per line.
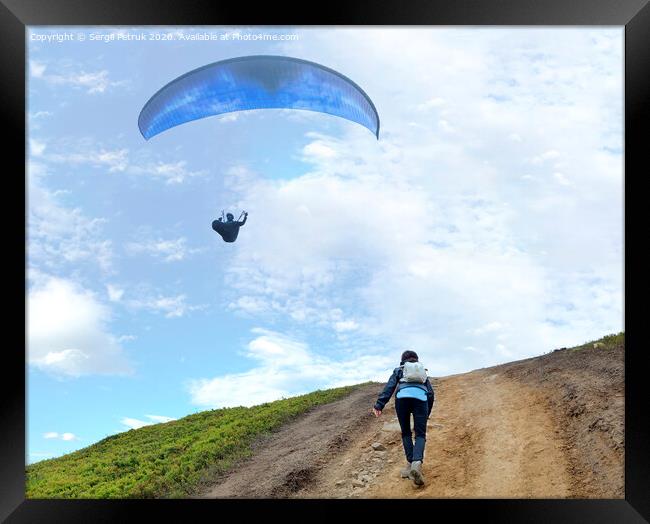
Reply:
x=607 y=341
x=170 y=459
x=613 y=339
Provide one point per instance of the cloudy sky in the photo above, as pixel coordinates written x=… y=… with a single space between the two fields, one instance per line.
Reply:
x=484 y=226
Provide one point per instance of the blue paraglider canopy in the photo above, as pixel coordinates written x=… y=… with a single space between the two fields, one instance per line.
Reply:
x=256 y=82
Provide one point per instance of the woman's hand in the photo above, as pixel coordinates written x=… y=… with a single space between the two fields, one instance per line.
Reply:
x=377 y=412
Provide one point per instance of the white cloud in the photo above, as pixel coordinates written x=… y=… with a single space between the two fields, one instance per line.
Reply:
x=423 y=237
x=58 y=235
x=445 y=126
x=317 y=149
x=36 y=148
x=36 y=69
x=60 y=436
x=170 y=172
x=170 y=306
x=249 y=304
x=562 y=179
x=92 y=82
x=346 y=325
x=115 y=160
x=159 y=418
x=432 y=103
x=239 y=177
x=285 y=367
x=88 y=152
x=404 y=288
x=67 y=331
x=114 y=293
x=229 y=117
x=544 y=157
x=504 y=351
x=134 y=423
x=35 y=123
x=488 y=328
x=170 y=250
x=40 y=114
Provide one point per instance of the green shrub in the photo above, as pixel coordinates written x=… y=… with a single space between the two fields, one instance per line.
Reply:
x=614 y=339
x=608 y=341
x=168 y=459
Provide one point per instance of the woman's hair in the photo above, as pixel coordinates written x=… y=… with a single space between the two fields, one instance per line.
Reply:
x=409 y=356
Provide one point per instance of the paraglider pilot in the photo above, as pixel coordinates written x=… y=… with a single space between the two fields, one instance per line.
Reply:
x=230 y=228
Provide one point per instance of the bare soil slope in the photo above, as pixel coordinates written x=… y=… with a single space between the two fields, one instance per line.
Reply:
x=545 y=427
x=290 y=459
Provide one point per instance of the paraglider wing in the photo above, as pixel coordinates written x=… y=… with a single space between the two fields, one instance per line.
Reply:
x=256 y=82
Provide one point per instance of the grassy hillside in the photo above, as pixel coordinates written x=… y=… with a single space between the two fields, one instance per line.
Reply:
x=166 y=460
x=608 y=341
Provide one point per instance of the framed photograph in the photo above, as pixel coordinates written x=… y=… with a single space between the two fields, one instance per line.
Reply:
x=354 y=259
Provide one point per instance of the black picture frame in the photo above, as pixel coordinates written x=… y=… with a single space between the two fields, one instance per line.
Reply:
x=634 y=15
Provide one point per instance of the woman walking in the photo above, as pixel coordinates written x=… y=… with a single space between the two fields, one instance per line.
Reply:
x=414 y=397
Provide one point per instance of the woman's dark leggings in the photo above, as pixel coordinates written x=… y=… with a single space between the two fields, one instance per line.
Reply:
x=419 y=408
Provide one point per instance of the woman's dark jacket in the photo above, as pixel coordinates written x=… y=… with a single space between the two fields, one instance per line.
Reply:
x=394 y=383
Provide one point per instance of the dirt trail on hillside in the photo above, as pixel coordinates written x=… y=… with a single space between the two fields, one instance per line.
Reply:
x=290 y=459
x=486 y=437
x=547 y=427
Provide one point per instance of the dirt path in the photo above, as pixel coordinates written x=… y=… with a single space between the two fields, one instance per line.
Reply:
x=497 y=441
x=547 y=427
x=290 y=459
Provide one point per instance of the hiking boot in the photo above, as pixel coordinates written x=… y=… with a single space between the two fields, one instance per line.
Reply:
x=416 y=473
x=404 y=472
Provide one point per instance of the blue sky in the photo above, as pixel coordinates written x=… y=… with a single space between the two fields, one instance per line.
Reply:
x=484 y=226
